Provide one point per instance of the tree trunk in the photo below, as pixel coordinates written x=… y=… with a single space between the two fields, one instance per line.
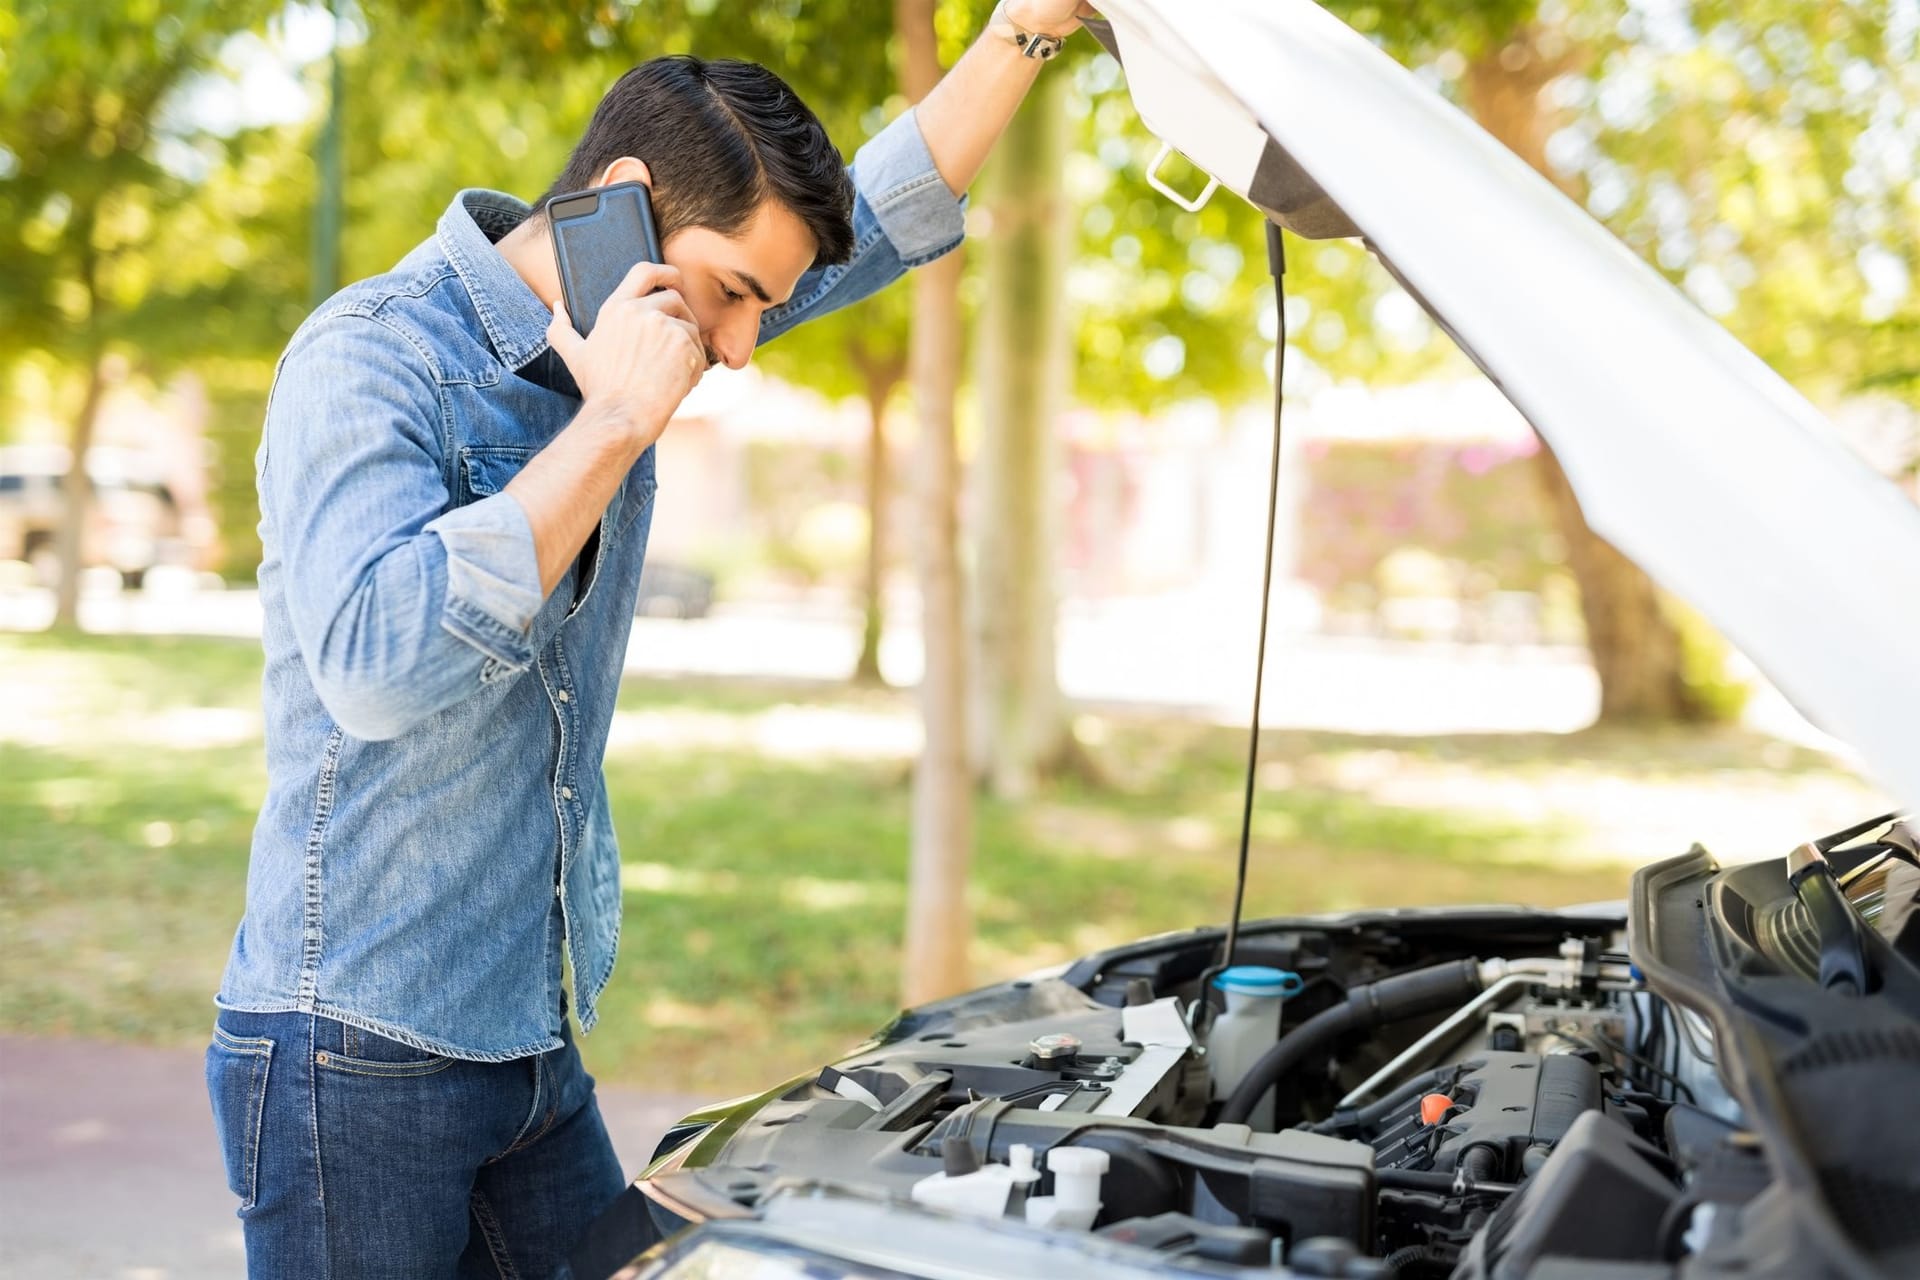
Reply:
x=881 y=374
x=1633 y=641
x=70 y=542
x=939 y=924
x=1020 y=718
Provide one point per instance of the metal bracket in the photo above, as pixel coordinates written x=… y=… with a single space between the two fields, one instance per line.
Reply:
x=1154 y=180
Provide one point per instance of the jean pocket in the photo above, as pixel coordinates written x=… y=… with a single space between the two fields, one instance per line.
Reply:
x=237 y=1083
x=368 y=1054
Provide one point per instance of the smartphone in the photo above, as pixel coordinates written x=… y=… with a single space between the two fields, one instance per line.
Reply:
x=598 y=236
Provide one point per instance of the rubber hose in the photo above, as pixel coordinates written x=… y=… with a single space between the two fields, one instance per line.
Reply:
x=1405 y=995
x=1481 y=1164
x=1366 y=1117
x=1417 y=1260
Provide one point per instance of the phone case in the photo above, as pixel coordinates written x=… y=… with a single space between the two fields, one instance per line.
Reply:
x=598 y=236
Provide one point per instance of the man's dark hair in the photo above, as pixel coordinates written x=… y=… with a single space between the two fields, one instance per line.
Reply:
x=720 y=137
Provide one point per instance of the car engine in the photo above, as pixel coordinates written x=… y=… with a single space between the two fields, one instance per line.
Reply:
x=1428 y=1095
x=1700 y=1084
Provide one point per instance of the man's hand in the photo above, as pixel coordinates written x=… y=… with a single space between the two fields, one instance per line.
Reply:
x=645 y=352
x=642 y=358
x=1047 y=17
x=963 y=116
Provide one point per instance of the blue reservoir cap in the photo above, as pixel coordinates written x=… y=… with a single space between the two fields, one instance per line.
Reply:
x=1258 y=980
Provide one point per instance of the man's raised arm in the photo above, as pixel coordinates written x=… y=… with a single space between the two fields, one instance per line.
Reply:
x=965 y=114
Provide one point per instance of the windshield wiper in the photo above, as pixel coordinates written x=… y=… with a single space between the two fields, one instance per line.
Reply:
x=1843 y=941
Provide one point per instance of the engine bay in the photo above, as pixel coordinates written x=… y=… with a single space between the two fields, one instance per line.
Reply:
x=1454 y=1092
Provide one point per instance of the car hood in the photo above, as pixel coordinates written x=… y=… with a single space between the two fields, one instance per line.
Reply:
x=1687 y=452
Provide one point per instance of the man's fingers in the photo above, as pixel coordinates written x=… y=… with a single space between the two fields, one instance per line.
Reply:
x=670 y=301
x=644 y=278
x=692 y=330
x=561 y=334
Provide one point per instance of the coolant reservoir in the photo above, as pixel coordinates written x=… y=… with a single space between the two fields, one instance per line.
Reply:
x=1248 y=1028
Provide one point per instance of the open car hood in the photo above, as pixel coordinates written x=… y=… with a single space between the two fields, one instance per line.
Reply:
x=1687 y=452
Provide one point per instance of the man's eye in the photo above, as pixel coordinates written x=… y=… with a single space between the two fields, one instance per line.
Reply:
x=731 y=296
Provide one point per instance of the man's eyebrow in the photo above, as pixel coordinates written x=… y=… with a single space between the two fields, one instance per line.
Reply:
x=754 y=286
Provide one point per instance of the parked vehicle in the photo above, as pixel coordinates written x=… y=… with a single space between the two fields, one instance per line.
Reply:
x=133 y=522
x=672 y=590
x=1716 y=1077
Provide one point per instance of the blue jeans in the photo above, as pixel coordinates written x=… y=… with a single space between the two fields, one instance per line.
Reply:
x=357 y=1156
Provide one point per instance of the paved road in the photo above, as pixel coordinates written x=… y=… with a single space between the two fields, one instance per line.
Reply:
x=109 y=1169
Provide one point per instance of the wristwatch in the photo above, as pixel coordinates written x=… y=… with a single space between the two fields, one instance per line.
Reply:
x=1034 y=45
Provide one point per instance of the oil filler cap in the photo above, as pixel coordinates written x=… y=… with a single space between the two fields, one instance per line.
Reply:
x=1057 y=1049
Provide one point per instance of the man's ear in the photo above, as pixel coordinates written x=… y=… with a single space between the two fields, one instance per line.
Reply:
x=627 y=169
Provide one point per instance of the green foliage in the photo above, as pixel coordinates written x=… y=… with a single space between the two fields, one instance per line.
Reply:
x=1763 y=155
x=98 y=193
x=1717 y=697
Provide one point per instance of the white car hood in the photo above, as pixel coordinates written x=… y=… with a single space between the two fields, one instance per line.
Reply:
x=1687 y=452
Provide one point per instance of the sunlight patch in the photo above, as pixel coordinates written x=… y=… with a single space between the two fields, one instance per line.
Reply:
x=785 y=732
x=658 y=877
x=667 y=1014
x=813 y=894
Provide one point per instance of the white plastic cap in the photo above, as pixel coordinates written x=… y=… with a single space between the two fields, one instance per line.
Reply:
x=1077 y=1172
x=1020 y=1160
x=1081 y=1162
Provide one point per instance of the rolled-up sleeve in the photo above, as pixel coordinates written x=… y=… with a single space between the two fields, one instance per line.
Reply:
x=402 y=603
x=493 y=577
x=903 y=216
x=896 y=176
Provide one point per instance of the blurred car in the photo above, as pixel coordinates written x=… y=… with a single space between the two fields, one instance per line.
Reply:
x=672 y=590
x=1713 y=1078
x=133 y=523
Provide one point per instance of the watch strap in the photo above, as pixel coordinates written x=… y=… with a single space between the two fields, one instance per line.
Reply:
x=1033 y=44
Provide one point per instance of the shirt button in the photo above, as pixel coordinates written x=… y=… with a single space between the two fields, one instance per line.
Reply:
x=566 y=793
x=563 y=696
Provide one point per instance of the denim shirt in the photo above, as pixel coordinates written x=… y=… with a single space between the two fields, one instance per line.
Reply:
x=436 y=829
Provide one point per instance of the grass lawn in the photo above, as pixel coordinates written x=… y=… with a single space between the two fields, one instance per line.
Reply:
x=764 y=832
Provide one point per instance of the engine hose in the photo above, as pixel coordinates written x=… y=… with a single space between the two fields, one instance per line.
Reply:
x=1366 y=1117
x=1406 y=995
x=1418 y=1260
x=1480 y=1164
x=1437 y=1182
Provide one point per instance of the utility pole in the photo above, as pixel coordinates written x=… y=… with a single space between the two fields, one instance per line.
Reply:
x=327 y=216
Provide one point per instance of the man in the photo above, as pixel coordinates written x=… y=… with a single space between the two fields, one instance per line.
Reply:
x=455 y=492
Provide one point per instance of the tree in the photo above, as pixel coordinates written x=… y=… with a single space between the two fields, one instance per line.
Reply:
x=1763 y=157
x=1632 y=637
x=859 y=351
x=1022 y=343
x=1139 y=254
x=87 y=203
x=1723 y=139
x=939 y=922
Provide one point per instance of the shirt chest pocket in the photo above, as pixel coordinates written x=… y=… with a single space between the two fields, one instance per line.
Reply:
x=486 y=469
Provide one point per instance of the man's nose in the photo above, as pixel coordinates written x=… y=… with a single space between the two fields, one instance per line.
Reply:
x=732 y=343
